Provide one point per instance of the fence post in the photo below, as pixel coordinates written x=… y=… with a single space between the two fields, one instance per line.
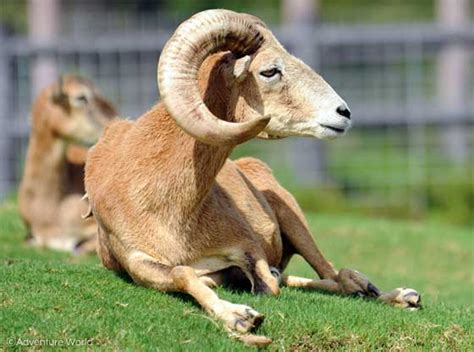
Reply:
x=308 y=155
x=43 y=26
x=4 y=115
x=453 y=58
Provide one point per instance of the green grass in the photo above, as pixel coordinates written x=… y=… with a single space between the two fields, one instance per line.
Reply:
x=48 y=295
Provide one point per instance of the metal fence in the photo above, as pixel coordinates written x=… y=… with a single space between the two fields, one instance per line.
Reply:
x=406 y=131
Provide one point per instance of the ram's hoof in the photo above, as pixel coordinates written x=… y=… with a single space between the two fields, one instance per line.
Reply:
x=406 y=298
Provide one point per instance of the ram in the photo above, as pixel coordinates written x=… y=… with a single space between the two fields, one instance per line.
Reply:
x=67 y=118
x=176 y=214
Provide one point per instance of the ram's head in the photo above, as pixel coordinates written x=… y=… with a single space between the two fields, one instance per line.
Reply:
x=75 y=111
x=277 y=95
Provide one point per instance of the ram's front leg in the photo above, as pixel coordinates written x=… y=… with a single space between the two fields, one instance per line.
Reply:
x=345 y=281
x=353 y=283
x=238 y=319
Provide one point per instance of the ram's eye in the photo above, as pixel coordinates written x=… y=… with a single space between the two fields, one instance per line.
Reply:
x=270 y=73
x=82 y=99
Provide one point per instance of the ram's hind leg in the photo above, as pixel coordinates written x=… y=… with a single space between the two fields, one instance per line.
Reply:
x=346 y=281
x=238 y=319
x=295 y=230
x=399 y=297
x=298 y=239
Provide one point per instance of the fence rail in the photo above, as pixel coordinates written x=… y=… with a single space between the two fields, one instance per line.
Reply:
x=388 y=74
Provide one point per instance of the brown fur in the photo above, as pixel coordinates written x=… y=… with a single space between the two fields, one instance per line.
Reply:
x=177 y=215
x=63 y=126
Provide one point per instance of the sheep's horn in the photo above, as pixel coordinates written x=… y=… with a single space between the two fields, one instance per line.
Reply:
x=203 y=34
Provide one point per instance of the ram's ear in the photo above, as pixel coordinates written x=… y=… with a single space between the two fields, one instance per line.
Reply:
x=107 y=109
x=241 y=68
x=59 y=96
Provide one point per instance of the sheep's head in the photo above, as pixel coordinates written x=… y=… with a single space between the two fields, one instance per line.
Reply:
x=75 y=111
x=298 y=101
x=277 y=94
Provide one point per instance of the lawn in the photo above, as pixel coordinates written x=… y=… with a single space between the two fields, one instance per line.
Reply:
x=53 y=296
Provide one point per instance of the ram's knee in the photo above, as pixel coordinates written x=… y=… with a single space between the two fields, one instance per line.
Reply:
x=182 y=275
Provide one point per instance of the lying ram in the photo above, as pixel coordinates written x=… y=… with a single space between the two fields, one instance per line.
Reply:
x=176 y=214
x=67 y=118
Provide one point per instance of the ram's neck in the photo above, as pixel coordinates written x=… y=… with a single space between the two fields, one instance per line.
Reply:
x=45 y=166
x=185 y=168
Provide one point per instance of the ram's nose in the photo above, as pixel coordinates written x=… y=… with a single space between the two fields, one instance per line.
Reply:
x=343 y=110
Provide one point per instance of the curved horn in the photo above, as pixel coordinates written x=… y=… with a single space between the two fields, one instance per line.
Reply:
x=203 y=34
x=253 y=19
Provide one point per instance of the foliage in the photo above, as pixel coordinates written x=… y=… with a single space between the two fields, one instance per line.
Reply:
x=13 y=15
x=377 y=11
x=50 y=295
x=388 y=172
x=268 y=10
x=454 y=201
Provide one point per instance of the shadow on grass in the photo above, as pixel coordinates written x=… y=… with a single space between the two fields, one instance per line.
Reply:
x=185 y=298
x=125 y=277
x=238 y=284
x=352 y=297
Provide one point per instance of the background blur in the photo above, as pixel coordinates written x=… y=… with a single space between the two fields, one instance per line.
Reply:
x=406 y=69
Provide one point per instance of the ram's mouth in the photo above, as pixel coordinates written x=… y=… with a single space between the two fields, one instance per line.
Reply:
x=334 y=129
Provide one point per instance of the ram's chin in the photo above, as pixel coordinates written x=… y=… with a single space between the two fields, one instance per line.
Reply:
x=319 y=131
x=322 y=132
